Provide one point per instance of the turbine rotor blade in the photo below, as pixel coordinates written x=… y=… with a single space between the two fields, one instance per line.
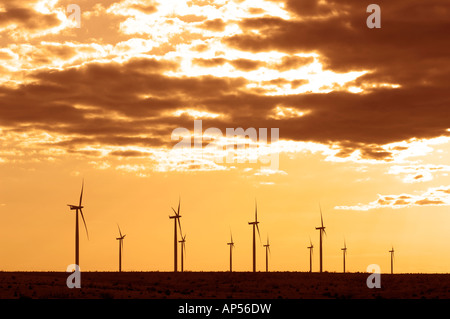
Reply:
x=321 y=217
x=81 y=195
x=179 y=203
x=120 y=233
x=259 y=235
x=256 y=211
x=84 y=222
x=179 y=225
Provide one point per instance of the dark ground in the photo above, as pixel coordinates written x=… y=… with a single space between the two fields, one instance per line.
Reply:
x=221 y=285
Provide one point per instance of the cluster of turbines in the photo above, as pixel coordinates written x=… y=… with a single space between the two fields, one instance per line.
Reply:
x=176 y=218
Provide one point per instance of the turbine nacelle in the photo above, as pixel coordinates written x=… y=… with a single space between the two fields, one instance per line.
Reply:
x=75 y=207
x=345 y=248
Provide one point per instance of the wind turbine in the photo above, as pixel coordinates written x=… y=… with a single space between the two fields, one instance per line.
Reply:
x=392 y=259
x=255 y=225
x=310 y=254
x=183 y=249
x=120 y=239
x=176 y=218
x=78 y=208
x=231 y=244
x=344 y=251
x=321 y=230
x=267 y=246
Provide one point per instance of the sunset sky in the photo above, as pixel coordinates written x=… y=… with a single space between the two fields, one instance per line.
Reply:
x=363 y=117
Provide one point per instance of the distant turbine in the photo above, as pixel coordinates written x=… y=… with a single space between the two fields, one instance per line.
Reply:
x=77 y=237
x=267 y=246
x=183 y=250
x=120 y=239
x=321 y=230
x=392 y=259
x=231 y=244
x=310 y=254
x=176 y=218
x=255 y=225
x=344 y=251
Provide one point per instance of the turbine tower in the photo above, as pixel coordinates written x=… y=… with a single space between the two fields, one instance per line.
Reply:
x=78 y=208
x=311 y=247
x=231 y=244
x=321 y=230
x=183 y=250
x=176 y=218
x=392 y=259
x=255 y=225
x=344 y=251
x=120 y=239
x=267 y=246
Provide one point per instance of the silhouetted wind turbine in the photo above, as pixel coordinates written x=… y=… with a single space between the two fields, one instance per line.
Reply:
x=310 y=254
x=176 y=218
x=78 y=208
x=321 y=230
x=392 y=259
x=120 y=239
x=344 y=251
x=183 y=250
x=255 y=225
x=231 y=244
x=267 y=246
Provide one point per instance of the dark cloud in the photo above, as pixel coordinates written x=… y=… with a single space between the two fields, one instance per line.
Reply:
x=192 y=18
x=128 y=153
x=145 y=8
x=217 y=25
x=209 y=62
x=292 y=62
x=139 y=92
x=246 y=64
x=28 y=18
x=429 y=202
x=112 y=103
x=286 y=63
x=411 y=47
x=200 y=47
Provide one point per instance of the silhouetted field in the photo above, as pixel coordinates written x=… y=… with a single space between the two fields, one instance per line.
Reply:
x=222 y=285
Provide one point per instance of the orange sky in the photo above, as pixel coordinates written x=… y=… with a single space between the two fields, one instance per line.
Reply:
x=362 y=116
